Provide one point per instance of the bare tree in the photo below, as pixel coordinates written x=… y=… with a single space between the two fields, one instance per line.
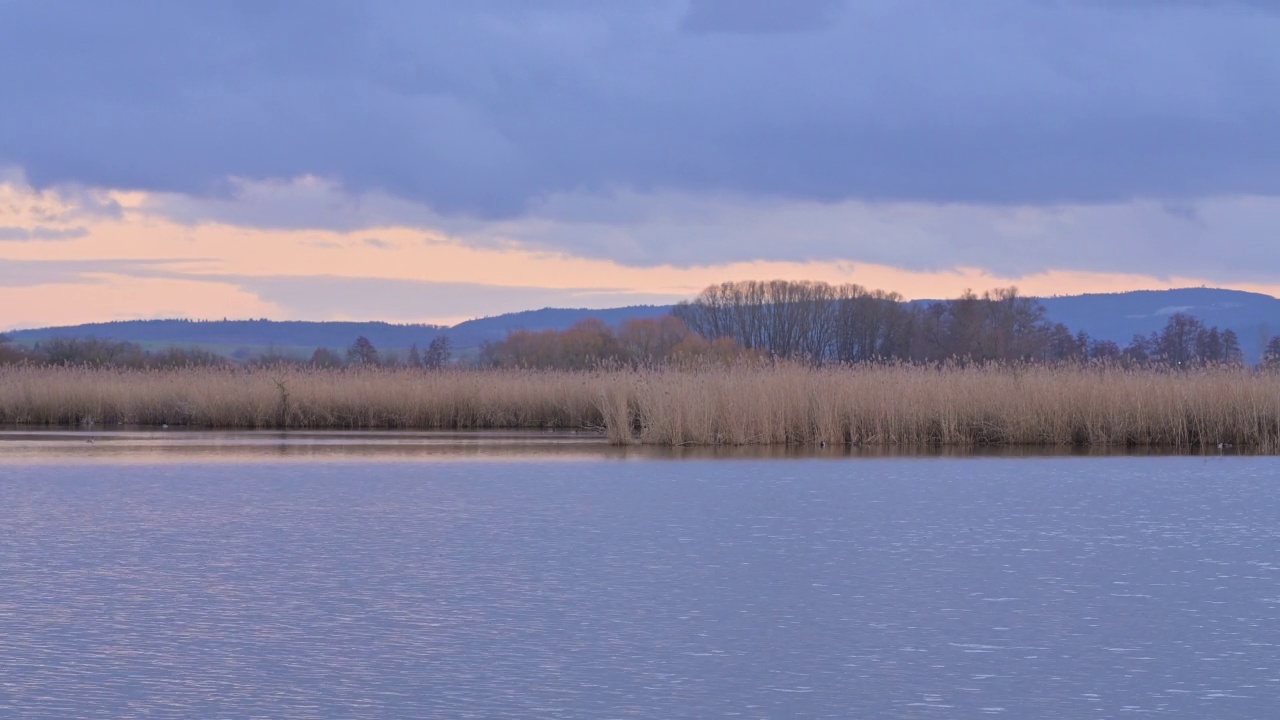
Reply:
x=325 y=358
x=780 y=317
x=648 y=341
x=1271 y=356
x=817 y=322
x=437 y=354
x=1176 y=345
x=1106 y=350
x=1140 y=349
x=362 y=353
x=869 y=325
x=1231 y=352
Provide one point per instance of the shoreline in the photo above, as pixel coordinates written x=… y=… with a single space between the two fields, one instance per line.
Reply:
x=25 y=445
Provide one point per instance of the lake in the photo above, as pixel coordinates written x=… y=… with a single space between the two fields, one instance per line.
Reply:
x=394 y=576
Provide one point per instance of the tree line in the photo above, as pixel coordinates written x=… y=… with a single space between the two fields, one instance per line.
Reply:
x=591 y=343
x=98 y=352
x=811 y=322
x=816 y=323
x=362 y=353
x=819 y=323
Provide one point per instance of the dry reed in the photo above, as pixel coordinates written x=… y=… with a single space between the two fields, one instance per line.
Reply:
x=881 y=405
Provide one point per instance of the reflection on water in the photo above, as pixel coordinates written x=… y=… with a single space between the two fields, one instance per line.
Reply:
x=182 y=445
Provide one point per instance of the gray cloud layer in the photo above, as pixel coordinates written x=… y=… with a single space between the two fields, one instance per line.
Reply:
x=485 y=108
x=34 y=273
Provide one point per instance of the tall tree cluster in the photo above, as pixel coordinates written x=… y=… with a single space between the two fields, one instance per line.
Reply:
x=1271 y=355
x=1186 y=340
x=820 y=323
x=591 y=343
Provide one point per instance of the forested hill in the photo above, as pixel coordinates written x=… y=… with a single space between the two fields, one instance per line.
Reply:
x=234 y=333
x=1120 y=316
x=1116 y=317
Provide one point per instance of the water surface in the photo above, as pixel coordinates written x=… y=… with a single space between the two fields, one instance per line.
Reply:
x=592 y=586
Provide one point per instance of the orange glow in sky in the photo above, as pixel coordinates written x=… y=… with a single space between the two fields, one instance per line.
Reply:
x=73 y=267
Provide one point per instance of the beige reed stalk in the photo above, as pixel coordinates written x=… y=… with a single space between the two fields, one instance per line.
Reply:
x=881 y=405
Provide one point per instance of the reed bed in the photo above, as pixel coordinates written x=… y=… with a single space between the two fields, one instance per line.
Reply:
x=880 y=405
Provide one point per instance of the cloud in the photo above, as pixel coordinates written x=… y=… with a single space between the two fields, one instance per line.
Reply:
x=488 y=109
x=326 y=296
x=67 y=203
x=34 y=273
x=1218 y=239
x=20 y=234
x=305 y=202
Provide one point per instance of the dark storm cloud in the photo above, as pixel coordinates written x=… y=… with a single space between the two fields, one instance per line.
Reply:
x=485 y=108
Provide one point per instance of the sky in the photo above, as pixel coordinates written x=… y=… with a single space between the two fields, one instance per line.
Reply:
x=422 y=161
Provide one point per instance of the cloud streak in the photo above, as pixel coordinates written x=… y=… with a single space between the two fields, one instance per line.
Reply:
x=21 y=234
x=37 y=273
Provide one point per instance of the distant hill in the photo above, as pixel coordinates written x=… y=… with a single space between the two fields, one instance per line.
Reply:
x=1119 y=316
x=302 y=337
x=1113 y=316
x=228 y=335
